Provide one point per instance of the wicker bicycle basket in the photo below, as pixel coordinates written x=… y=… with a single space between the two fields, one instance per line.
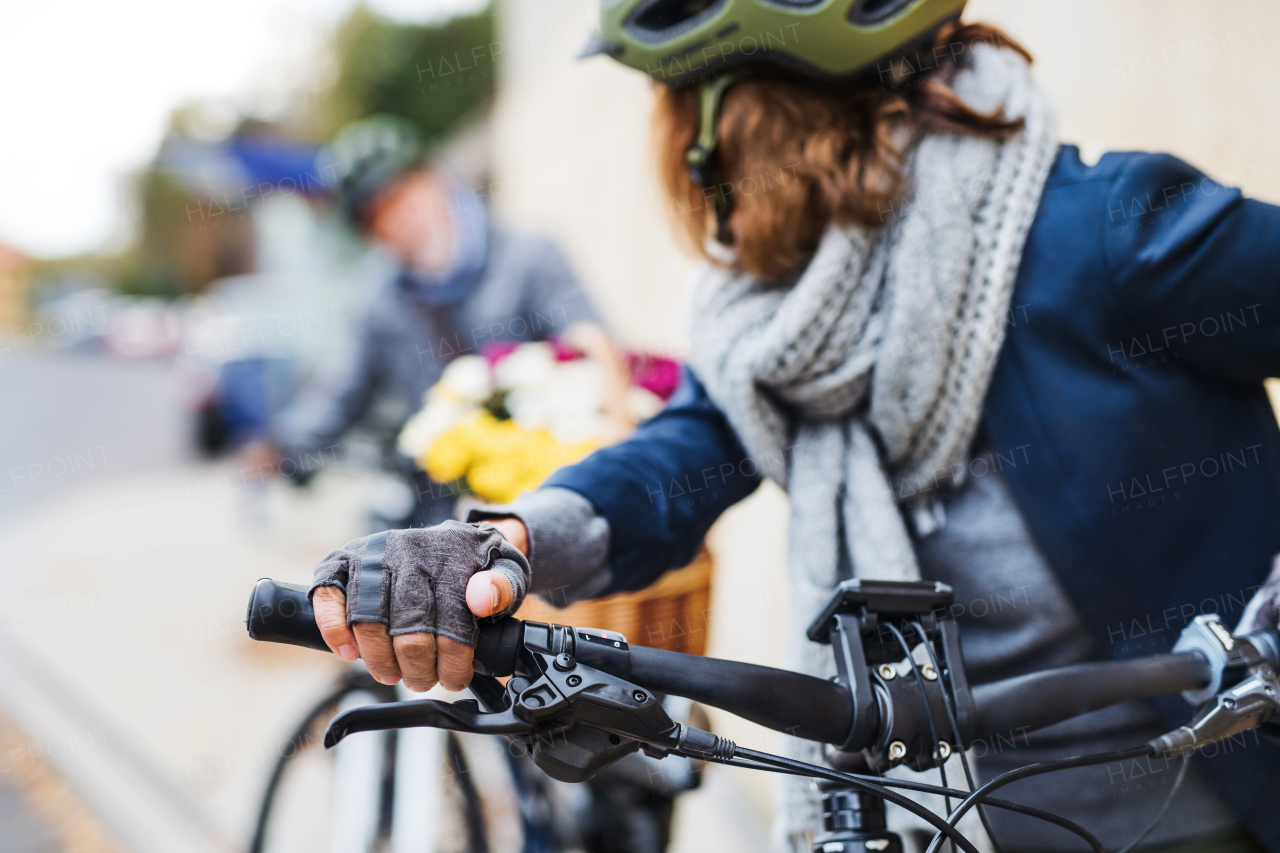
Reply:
x=670 y=614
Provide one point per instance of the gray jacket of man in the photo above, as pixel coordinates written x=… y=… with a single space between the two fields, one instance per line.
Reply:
x=526 y=291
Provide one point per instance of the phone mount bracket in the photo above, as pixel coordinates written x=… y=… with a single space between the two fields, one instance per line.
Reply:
x=853 y=622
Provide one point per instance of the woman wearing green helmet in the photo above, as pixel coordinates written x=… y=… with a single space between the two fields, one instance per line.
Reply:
x=968 y=357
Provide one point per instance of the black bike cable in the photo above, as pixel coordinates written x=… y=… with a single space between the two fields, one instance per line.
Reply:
x=942 y=827
x=994 y=802
x=1035 y=770
x=950 y=701
x=1008 y=805
x=928 y=711
x=1177 y=783
x=924 y=697
x=800 y=769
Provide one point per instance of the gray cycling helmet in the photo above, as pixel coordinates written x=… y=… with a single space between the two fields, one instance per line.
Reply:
x=365 y=157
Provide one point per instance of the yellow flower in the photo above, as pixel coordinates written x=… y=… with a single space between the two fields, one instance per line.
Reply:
x=499 y=459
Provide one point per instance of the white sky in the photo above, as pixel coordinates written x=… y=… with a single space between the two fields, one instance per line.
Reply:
x=86 y=88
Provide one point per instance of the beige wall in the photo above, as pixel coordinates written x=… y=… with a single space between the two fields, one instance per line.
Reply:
x=1192 y=78
x=570 y=143
x=1195 y=79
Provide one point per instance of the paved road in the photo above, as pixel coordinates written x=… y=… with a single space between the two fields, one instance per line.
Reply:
x=70 y=421
x=123 y=659
x=73 y=420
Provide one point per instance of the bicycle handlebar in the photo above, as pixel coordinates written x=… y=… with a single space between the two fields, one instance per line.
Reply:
x=801 y=705
x=785 y=701
x=1039 y=699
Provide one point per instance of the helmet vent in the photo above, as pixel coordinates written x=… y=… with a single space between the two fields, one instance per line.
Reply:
x=876 y=11
x=663 y=15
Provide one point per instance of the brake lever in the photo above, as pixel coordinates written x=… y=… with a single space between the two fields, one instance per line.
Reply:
x=574 y=718
x=567 y=693
x=455 y=716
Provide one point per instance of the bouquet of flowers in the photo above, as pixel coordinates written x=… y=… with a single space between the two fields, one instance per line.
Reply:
x=505 y=419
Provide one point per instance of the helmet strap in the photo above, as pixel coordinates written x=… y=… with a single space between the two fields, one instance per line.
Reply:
x=698 y=155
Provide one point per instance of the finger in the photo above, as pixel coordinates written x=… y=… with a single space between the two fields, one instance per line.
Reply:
x=453 y=663
x=330 y=606
x=489 y=593
x=375 y=648
x=416 y=657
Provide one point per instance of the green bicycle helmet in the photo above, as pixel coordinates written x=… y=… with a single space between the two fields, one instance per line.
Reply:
x=681 y=41
x=712 y=42
x=365 y=157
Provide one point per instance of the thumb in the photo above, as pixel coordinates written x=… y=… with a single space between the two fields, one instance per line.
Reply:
x=488 y=593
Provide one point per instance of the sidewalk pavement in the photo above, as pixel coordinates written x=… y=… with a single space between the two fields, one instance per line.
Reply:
x=123 y=654
x=125 y=663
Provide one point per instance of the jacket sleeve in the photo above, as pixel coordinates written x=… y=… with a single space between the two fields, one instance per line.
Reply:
x=1196 y=266
x=661 y=489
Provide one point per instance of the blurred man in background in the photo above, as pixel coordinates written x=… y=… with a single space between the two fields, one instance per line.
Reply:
x=453 y=282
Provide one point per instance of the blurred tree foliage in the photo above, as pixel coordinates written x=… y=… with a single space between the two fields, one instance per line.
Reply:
x=432 y=75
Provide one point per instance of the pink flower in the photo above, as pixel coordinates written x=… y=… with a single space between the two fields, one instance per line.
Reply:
x=497 y=351
x=564 y=351
x=654 y=373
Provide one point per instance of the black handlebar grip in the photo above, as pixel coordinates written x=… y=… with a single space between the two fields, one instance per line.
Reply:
x=498 y=646
x=281 y=613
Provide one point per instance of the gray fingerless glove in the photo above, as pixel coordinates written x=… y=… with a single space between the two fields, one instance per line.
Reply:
x=415 y=580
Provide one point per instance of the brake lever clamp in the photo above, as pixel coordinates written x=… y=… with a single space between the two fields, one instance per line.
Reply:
x=1242 y=693
x=574 y=719
x=1252 y=702
x=1231 y=658
x=596 y=718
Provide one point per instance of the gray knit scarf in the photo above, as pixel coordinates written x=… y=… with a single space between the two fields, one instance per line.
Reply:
x=861 y=385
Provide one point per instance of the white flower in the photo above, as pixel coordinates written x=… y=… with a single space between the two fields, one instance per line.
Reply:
x=575 y=400
x=466 y=378
x=566 y=399
x=573 y=427
x=528 y=366
x=436 y=418
x=578 y=386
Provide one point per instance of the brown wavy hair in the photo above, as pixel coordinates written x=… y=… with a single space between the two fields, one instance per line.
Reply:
x=795 y=154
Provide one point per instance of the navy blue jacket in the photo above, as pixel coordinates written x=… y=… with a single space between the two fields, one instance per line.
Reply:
x=1127 y=412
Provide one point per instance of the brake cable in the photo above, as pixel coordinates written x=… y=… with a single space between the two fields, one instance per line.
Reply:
x=928 y=712
x=862 y=783
x=1009 y=805
x=922 y=787
x=779 y=764
x=1035 y=770
x=949 y=702
x=1168 y=801
x=982 y=794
